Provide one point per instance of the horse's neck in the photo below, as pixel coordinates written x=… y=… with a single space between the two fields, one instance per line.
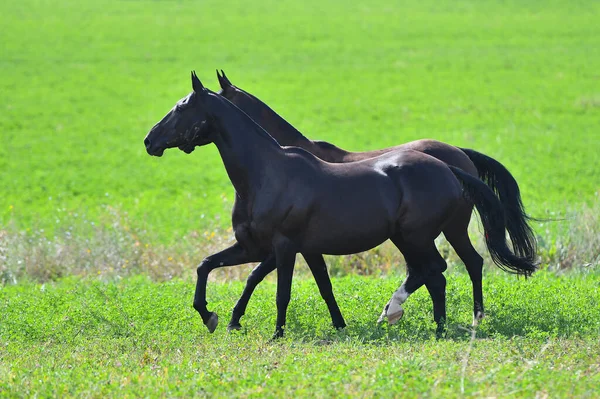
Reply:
x=280 y=129
x=283 y=131
x=247 y=151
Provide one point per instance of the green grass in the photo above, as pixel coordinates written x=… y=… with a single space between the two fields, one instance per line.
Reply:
x=132 y=338
x=81 y=84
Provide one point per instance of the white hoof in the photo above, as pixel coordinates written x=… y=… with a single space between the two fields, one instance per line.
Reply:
x=392 y=311
x=393 y=308
x=394 y=317
x=213 y=322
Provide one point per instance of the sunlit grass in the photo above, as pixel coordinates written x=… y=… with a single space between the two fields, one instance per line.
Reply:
x=132 y=337
x=99 y=241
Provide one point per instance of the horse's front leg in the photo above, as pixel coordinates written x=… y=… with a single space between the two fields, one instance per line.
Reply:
x=285 y=257
x=436 y=285
x=256 y=276
x=234 y=255
x=317 y=266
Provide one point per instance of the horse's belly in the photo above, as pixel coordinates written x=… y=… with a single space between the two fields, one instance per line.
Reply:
x=326 y=237
x=360 y=219
x=352 y=245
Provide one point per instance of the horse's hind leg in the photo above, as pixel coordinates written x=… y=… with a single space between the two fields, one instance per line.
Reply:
x=424 y=266
x=457 y=235
x=393 y=310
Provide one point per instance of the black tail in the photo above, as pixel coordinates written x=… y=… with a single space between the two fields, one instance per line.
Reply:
x=494 y=223
x=499 y=179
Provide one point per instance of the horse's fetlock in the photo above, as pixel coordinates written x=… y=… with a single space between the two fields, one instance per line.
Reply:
x=197 y=305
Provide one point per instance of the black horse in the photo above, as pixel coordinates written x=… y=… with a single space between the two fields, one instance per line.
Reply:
x=299 y=203
x=490 y=170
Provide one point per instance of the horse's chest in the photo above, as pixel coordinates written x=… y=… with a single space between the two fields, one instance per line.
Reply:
x=269 y=214
x=254 y=240
x=257 y=229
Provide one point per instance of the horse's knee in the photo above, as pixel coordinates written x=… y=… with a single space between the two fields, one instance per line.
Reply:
x=438 y=267
x=204 y=267
x=327 y=295
x=255 y=278
x=282 y=299
x=442 y=267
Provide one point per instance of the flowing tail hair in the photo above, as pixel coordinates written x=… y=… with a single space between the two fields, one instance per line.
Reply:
x=493 y=218
x=499 y=179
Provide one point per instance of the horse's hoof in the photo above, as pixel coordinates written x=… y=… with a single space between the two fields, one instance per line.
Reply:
x=394 y=317
x=212 y=322
x=278 y=334
x=394 y=312
x=234 y=327
x=340 y=327
x=440 y=333
x=477 y=318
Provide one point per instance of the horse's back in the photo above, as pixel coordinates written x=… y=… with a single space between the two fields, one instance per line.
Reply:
x=446 y=153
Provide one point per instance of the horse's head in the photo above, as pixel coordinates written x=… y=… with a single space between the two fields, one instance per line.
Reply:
x=185 y=126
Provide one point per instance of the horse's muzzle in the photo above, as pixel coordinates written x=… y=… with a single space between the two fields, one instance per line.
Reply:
x=157 y=152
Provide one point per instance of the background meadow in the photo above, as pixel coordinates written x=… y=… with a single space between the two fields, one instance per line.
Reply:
x=99 y=241
x=83 y=83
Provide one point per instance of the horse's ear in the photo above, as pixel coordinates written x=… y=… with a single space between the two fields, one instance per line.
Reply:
x=223 y=81
x=196 y=84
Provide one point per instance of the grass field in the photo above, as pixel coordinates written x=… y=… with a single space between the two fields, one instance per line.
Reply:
x=84 y=210
x=133 y=338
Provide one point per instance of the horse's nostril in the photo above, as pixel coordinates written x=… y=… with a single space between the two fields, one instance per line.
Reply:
x=147 y=142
